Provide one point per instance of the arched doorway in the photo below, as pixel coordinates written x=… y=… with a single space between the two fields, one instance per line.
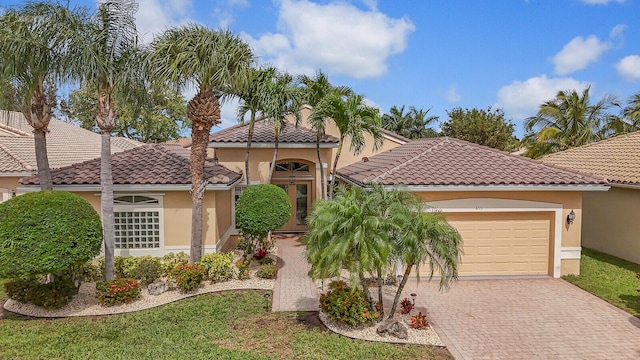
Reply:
x=296 y=178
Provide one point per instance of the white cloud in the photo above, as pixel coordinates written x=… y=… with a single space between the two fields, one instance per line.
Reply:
x=224 y=14
x=521 y=99
x=578 y=54
x=452 y=94
x=617 y=31
x=629 y=67
x=155 y=16
x=336 y=37
x=227 y=115
x=602 y=2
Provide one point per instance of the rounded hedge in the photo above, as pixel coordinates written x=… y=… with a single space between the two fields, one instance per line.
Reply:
x=45 y=232
x=262 y=208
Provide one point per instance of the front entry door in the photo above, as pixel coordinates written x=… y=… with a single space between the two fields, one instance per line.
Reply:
x=300 y=197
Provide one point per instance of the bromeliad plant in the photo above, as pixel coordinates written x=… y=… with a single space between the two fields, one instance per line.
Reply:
x=406 y=306
x=419 y=321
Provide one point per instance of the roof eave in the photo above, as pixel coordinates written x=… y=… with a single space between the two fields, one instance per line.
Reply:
x=626 y=186
x=130 y=187
x=271 y=145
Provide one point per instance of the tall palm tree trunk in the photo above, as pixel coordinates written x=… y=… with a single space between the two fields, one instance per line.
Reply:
x=275 y=154
x=403 y=282
x=106 y=120
x=335 y=169
x=246 y=155
x=322 y=177
x=42 y=159
x=38 y=115
x=380 y=283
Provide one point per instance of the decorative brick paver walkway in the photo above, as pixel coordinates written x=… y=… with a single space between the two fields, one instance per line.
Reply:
x=293 y=290
x=527 y=319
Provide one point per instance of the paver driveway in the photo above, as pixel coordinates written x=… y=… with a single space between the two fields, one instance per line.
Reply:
x=527 y=319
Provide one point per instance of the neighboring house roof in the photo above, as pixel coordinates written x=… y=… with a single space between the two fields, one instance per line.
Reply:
x=447 y=161
x=263 y=134
x=394 y=136
x=66 y=144
x=152 y=164
x=617 y=159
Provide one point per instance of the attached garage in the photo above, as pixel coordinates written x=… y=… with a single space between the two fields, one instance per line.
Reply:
x=504 y=243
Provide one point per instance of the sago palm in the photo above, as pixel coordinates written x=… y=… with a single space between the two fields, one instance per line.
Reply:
x=217 y=63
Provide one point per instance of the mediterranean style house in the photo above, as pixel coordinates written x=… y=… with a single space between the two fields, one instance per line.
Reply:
x=517 y=217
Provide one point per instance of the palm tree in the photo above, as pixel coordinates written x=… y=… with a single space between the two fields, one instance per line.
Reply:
x=413 y=125
x=217 y=63
x=109 y=60
x=252 y=101
x=631 y=115
x=423 y=236
x=567 y=121
x=34 y=50
x=353 y=118
x=313 y=91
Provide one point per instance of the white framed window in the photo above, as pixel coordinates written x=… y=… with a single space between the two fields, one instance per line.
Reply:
x=237 y=191
x=138 y=222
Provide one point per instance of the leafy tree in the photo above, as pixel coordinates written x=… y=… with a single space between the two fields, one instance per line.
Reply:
x=484 y=127
x=217 y=63
x=46 y=232
x=153 y=116
x=261 y=209
x=413 y=125
x=567 y=121
x=34 y=49
x=108 y=61
x=314 y=90
x=353 y=118
x=252 y=102
x=629 y=119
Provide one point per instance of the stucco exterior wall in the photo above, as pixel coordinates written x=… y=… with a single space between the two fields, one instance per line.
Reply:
x=611 y=223
x=7 y=184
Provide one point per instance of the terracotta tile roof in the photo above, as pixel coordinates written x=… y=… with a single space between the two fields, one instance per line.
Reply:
x=448 y=161
x=617 y=159
x=263 y=133
x=148 y=165
x=66 y=143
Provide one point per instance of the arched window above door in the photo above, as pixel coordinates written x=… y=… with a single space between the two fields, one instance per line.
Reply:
x=292 y=166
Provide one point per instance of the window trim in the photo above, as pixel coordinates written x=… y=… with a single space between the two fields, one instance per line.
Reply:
x=141 y=207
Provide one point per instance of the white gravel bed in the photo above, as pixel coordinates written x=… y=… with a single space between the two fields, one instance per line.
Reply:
x=426 y=336
x=85 y=303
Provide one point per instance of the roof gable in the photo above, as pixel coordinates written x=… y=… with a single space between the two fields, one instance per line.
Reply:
x=151 y=164
x=617 y=159
x=263 y=133
x=448 y=161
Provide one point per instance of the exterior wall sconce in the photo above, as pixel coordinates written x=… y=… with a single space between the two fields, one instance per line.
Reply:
x=571 y=217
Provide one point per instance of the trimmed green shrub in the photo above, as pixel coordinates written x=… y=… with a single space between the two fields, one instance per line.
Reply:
x=265 y=261
x=187 y=277
x=267 y=272
x=117 y=291
x=125 y=266
x=217 y=266
x=148 y=270
x=45 y=232
x=53 y=295
x=346 y=305
x=171 y=260
x=259 y=210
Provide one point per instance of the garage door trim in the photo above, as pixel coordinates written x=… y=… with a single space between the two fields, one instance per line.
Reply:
x=485 y=205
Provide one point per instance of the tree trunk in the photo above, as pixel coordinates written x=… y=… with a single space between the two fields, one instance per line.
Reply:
x=407 y=271
x=335 y=169
x=42 y=159
x=246 y=155
x=322 y=177
x=275 y=154
x=365 y=289
x=106 y=204
x=204 y=112
x=380 y=282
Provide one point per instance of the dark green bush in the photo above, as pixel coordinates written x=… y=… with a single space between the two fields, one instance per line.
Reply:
x=53 y=295
x=346 y=305
x=45 y=232
x=187 y=277
x=117 y=291
x=267 y=272
x=217 y=266
x=259 y=210
x=265 y=261
x=148 y=270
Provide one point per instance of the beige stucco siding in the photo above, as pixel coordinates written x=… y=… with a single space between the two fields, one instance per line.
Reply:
x=612 y=222
x=7 y=185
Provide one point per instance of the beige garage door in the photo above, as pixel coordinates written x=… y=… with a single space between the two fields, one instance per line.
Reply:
x=503 y=243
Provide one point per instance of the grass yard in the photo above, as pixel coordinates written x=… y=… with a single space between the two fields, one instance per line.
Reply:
x=609 y=278
x=229 y=325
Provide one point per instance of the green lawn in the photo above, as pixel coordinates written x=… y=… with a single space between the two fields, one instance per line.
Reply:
x=229 y=325
x=609 y=278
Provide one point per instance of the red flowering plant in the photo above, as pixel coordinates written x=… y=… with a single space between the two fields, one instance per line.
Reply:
x=260 y=253
x=346 y=305
x=117 y=291
x=419 y=321
x=187 y=277
x=406 y=306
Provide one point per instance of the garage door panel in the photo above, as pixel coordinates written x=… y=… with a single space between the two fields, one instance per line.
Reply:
x=503 y=243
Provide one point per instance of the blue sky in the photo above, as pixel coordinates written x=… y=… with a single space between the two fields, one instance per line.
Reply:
x=512 y=54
